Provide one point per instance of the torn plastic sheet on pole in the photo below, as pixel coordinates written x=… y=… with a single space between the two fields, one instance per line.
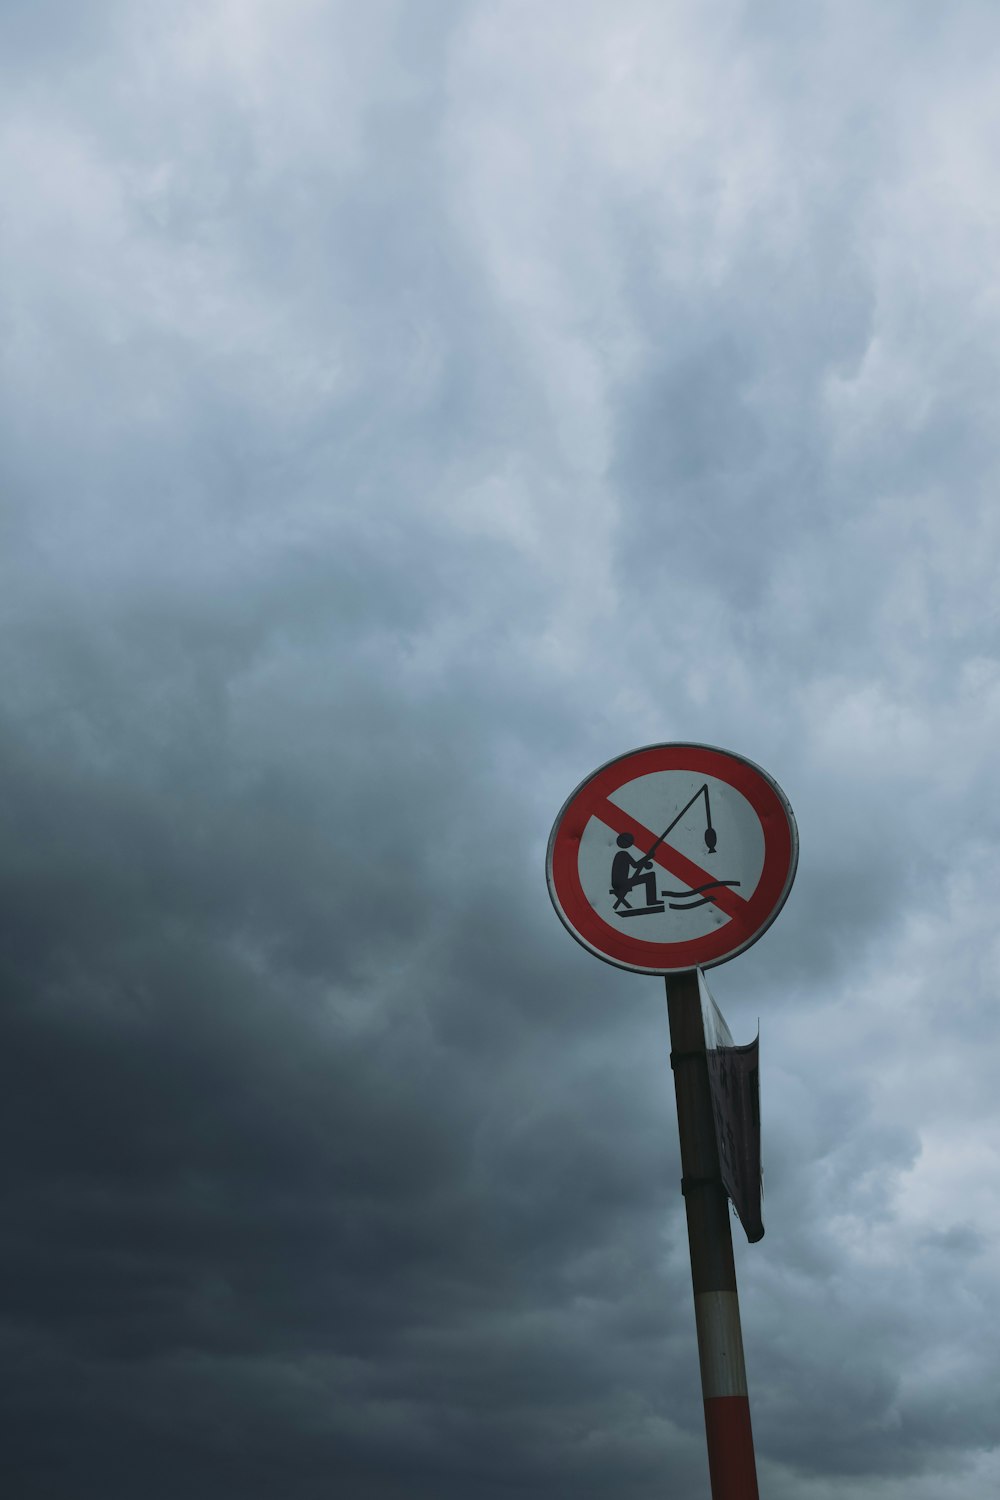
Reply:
x=734 y=1080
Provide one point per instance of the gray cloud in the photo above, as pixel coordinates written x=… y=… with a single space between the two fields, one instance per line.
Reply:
x=400 y=416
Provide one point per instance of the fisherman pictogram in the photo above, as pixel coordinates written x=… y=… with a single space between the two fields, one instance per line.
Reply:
x=628 y=872
x=623 y=880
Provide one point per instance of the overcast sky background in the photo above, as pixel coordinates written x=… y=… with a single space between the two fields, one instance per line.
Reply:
x=405 y=408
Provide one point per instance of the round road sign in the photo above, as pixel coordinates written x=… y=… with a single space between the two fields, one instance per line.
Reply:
x=672 y=857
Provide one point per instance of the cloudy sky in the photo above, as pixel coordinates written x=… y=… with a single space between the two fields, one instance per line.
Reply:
x=407 y=406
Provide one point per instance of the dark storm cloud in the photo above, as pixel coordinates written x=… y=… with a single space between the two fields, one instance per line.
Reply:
x=218 y=1181
x=227 y=1174
x=400 y=419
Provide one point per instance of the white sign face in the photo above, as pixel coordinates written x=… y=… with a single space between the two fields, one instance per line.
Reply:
x=673 y=857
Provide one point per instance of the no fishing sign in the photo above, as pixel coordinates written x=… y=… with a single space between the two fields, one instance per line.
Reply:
x=671 y=858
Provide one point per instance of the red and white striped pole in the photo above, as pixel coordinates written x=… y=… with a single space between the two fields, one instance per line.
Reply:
x=731 y=1464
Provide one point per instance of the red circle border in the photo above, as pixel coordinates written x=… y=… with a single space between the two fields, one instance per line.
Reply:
x=616 y=947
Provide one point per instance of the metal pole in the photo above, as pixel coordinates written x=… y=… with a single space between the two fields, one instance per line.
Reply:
x=731 y=1465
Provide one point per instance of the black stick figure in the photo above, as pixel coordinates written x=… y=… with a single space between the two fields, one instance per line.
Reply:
x=622 y=878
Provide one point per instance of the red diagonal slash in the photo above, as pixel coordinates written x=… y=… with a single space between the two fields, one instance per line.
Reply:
x=672 y=860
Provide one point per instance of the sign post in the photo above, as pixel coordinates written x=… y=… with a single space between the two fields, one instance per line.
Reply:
x=731 y=1464
x=728 y=851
